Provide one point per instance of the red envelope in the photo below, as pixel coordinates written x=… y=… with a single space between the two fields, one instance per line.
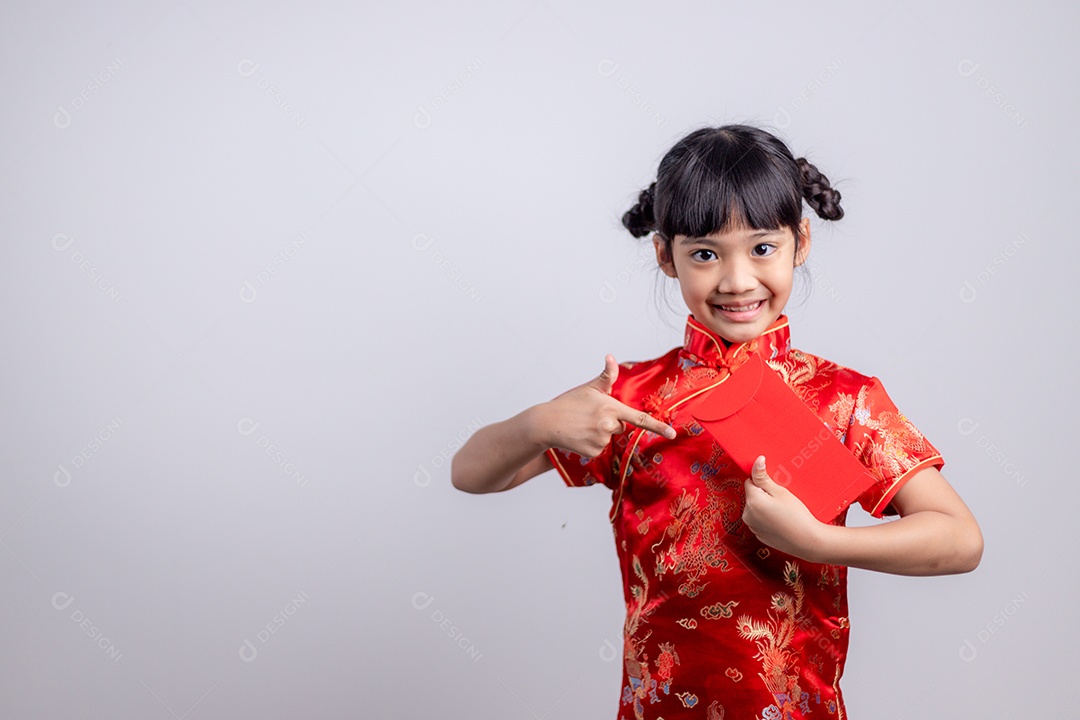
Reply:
x=754 y=412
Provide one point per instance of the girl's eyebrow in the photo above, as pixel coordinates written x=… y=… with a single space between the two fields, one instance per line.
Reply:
x=708 y=241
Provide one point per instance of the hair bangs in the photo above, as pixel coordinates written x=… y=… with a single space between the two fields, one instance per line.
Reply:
x=727 y=188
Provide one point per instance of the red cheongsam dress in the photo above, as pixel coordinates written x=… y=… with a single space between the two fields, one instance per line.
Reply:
x=719 y=625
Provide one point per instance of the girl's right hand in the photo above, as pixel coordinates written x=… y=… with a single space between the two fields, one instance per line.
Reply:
x=582 y=420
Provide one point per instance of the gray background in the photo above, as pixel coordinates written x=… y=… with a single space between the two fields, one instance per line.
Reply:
x=266 y=266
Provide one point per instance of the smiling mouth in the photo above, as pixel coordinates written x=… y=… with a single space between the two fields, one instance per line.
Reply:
x=741 y=308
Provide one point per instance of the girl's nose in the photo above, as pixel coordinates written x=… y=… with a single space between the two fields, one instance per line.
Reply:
x=737 y=279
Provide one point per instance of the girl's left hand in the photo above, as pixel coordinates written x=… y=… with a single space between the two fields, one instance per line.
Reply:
x=777 y=517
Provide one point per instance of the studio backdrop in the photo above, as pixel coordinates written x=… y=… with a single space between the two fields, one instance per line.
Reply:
x=266 y=266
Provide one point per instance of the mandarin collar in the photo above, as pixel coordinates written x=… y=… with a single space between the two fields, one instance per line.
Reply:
x=710 y=349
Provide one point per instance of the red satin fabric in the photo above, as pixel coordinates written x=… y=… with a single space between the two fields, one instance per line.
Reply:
x=718 y=625
x=800 y=452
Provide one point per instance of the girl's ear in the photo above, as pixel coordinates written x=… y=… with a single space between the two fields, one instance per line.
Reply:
x=662 y=257
x=804 y=241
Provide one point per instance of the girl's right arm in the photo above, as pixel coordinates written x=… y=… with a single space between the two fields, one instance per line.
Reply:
x=497 y=456
x=505 y=454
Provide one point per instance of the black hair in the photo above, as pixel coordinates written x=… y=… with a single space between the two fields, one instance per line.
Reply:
x=721 y=178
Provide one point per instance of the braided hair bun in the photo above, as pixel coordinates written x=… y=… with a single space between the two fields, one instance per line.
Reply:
x=818 y=193
x=639 y=220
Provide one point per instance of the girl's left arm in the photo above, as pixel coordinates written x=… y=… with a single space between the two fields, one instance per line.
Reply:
x=936 y=533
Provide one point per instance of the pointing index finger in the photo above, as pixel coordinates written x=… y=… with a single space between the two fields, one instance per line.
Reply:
x=644 y=420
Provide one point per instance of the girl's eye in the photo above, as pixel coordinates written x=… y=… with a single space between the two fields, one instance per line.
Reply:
x=696 y=252
x=768 y=249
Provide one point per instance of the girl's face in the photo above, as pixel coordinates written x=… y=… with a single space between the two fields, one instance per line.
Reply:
x=735 y=269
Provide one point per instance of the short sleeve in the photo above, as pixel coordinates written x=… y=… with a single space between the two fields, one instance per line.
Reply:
x=578 y=471
x=888 y=444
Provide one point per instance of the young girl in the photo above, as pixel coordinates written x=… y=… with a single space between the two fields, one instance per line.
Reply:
x=736 y=602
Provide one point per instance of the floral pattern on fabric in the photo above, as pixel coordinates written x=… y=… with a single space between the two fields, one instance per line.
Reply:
x=718 y=624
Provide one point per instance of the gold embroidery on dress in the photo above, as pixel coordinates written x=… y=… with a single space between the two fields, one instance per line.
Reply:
x=724 y=489
x=885 y=451
x=700 y=375
x=695 y=543
x=695 y=535
x=656 y=403
x=718 y=610
x=773 y=638
x=688 y=699
x=636 y=613
x=797 y=370
x=643 y=526
x=643 y=681
x=842 y=409
x=830 y=575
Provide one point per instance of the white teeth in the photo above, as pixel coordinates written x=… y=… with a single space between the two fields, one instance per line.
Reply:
x=744 y=308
